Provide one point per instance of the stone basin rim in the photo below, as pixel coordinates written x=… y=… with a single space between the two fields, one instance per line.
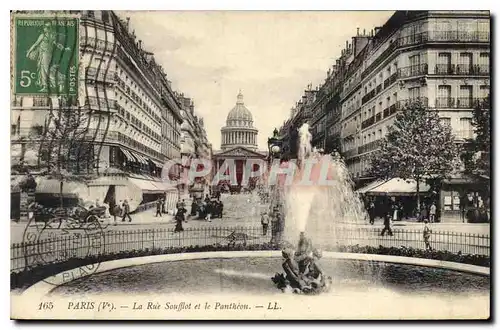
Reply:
x=42 y=288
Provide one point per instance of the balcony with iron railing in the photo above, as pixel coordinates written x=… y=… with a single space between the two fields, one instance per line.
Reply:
x=97 y=43
x=101 y=74
x=458 y=103
x=367 y=97
x=350 y=153
x=100 y=103
x=370 y=146
x=368 y=122
x=413 y=70
x=391 y=80
x=402 y=104
x=462 y=69
x=425 y=37
x=349 y=86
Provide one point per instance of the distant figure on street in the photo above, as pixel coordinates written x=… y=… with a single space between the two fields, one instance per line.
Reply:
x=432 y=213
x=163 y=206
x=264 y=220
x=387 y=224
x=371 y=212
x=158 y=207
x=423 y=212
x=395 y=212
x=179 y=217
x=126 y=211
x=427 y=235
x=117 y=212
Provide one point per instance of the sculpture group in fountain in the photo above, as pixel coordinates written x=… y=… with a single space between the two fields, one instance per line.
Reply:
x=302 y=273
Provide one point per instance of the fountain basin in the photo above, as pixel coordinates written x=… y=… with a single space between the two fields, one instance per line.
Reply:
x=364 y=286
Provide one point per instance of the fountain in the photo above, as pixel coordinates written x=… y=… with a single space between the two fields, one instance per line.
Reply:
x=318 y=203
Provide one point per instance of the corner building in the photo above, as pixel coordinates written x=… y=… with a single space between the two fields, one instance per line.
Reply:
x=441 y=58
x=131 y=121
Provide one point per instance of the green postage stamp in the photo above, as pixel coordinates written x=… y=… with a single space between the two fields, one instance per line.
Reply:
x=46 y=55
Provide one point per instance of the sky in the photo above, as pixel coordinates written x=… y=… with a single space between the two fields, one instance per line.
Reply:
x=271 y=56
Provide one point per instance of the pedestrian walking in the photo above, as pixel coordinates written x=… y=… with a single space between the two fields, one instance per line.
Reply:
x=126 y=211
x=163 y=205
x=117 y=212
x=264 y=219
x=427 y=235
x=158 y=207
x=432 y=213
x=423 y=212
x=371 y=212
x=387 y=224
x=395 y=212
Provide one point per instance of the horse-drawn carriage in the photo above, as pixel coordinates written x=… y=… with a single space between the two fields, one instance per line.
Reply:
x=77 y=214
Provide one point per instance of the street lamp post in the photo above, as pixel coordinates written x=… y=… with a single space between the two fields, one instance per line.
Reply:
x=275 y=145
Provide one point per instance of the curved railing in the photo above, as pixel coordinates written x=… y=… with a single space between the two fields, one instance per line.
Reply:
x=67 y=245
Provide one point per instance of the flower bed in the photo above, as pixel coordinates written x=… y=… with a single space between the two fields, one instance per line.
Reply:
x=37 y=273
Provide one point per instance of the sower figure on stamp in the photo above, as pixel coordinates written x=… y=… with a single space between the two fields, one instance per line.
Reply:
x=42 y=51
x=126 y=211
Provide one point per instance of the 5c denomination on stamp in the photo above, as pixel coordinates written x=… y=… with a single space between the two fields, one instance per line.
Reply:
x=46 y=55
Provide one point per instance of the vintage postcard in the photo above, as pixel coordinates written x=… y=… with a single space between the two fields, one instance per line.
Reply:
x=250 y=165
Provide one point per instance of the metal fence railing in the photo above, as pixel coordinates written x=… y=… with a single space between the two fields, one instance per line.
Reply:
x=61 y=247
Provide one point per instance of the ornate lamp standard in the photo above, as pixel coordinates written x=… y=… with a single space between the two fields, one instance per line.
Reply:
x=275 y=145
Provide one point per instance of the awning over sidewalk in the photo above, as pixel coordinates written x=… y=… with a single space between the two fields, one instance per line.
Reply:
x=70 y=188
x=141 y=159
x=128 y=155
x=398 y=187
x=146 y=186
x=158 y=164
x=370 y=186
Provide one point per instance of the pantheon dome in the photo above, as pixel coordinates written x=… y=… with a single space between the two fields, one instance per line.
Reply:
x=239 y=130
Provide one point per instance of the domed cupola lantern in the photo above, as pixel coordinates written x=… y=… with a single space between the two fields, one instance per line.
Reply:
x=239 y=130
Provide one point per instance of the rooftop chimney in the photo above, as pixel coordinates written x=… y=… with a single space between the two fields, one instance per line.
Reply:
x=364 y=32
x=357 y=32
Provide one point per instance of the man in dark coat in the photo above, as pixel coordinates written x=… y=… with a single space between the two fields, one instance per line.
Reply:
x=387 y=224
x=126 y=211
x=158 y=207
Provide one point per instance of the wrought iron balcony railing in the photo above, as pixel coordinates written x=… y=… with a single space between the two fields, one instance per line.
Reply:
x=413 y=70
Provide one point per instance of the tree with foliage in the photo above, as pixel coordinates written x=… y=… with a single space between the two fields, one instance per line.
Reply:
x=66 y=148
x=416 y=147
x=477 y=150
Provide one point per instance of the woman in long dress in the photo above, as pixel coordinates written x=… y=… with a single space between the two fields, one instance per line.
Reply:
x=42 y=51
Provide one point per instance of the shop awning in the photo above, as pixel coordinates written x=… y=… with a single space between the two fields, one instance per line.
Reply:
x=147 y=186
x=399 y=187
x=157 y=164
x=128 y=155
x=141 y=159
x=53 y=186
x=370 y=186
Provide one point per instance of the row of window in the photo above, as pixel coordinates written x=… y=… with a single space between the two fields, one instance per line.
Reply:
x=134 y=96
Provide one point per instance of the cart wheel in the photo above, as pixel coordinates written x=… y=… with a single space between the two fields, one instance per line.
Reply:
x=92 y=218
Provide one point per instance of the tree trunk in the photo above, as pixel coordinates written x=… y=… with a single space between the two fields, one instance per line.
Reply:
x=61 y=193
x=418 y=194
